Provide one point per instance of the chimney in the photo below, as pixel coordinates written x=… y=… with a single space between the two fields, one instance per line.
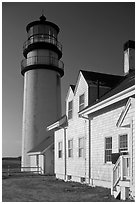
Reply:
x=129 y=56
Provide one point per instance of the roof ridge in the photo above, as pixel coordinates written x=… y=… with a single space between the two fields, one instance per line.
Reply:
x=99 y=72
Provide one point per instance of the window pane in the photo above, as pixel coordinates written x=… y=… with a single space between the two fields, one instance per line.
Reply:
x=81 y=99
x=123 y=144
x=81 y=147
x=70 y=110
x=108 y=149
x=70 y=105
x=70 y=146
x=41 y=29
x=60 y=149
x=81 y=102
x=80 y=142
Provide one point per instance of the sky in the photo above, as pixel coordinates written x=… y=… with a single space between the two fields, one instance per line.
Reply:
x=92 y=35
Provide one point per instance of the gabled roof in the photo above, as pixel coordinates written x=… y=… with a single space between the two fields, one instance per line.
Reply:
x=126 y=83
x=106 y=79
x=42 y=147
x=72 y=87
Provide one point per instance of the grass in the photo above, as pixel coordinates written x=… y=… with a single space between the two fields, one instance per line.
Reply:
x=49 y=189
x=28 y=188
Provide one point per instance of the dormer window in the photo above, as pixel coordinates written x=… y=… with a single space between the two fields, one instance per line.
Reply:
x=70 y=109
x=81 y=102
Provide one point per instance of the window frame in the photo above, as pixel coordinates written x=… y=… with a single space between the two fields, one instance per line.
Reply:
x=70 y=149
x=60 y=147
x=107 y=155
x=81 y=105
x=70 y=110
x=37 y=160
x=80 y=149
x=124 y=149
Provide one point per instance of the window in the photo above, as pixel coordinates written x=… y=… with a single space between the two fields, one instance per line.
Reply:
x=70 y=109
x=82 y=179
x=60 y=149
x=37 y=160
x=123 y=144
x=81 y=102
x=81 y=147
x=69 y=177
x=70 y=148
x=108 y=149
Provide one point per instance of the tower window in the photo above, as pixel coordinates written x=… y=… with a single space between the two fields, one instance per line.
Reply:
x=81 y=102
x=123 y=143
x=81 y=147
x=60 y=150
x=70 y=148
x=70 y=109
x=108 y=149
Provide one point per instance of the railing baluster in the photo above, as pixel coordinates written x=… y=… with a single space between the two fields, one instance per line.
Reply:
x=42 y=38
x=120 y=170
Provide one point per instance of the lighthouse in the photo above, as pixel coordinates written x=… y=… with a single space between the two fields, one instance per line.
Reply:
x=42 y=70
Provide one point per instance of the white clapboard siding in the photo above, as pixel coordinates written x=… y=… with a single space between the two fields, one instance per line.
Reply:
x=77 y=127
x=104 y=125
x=130 y=120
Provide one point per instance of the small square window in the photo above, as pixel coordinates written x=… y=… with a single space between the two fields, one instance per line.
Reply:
x=82 y=179
x=69 y=177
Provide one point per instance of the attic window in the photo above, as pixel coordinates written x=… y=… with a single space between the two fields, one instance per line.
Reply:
x=81 y=102
x=70 y=108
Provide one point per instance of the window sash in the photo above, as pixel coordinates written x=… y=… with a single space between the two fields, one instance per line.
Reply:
x=70 y=148
x=60 y=149
x=81 y=147
x=70 y=108
x=123 y=143
x=108 y=149
x=37 y=160
x=81 y=102
x=81 y=152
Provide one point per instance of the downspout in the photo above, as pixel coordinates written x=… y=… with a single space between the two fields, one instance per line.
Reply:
x=89 y=150
x=65 y=161
x=89 y=159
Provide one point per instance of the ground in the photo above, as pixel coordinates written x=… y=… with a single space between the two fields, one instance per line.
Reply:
x=48 y=189
x=18 y=187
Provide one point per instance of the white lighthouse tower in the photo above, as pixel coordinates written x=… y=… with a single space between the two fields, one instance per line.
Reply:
x=42 y=71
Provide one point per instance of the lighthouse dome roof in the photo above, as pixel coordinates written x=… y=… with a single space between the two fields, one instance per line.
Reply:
x=42 y=21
